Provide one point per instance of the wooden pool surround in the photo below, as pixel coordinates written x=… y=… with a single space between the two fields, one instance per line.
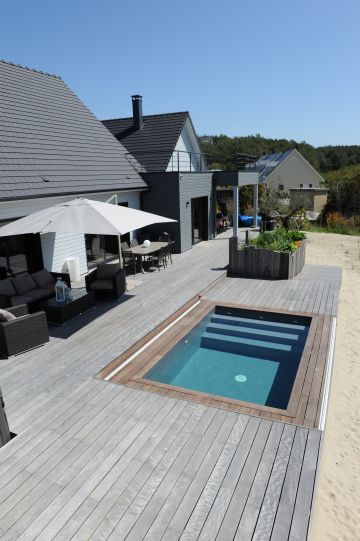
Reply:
x=306 y=397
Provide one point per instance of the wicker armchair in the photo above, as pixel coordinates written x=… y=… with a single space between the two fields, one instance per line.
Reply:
x=23 y=333
x=107 y=281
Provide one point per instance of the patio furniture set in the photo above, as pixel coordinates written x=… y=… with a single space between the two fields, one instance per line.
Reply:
x=154 y=255
x=30 y=301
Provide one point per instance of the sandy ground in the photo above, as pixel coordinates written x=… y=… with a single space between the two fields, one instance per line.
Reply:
x=337 y=503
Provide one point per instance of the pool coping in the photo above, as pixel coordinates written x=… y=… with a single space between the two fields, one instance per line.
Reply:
x=304 y=407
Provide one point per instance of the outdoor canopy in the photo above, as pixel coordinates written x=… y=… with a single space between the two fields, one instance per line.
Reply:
x=83 y=216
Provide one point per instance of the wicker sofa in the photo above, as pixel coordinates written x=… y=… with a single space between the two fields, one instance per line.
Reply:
x=29 y=289
x=25 y=332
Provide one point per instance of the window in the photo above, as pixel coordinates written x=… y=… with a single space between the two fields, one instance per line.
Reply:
x=301 y=185
x=101 y=248
x=310 y=185
x=281 y=187
x=20 y=253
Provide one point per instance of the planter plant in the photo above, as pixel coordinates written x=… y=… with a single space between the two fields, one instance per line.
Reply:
x=278 y=254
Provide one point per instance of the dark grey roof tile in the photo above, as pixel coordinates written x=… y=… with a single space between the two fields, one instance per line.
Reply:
x=45 y=130
x=155 y=142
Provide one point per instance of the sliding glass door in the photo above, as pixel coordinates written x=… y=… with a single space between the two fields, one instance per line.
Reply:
x=100 y=248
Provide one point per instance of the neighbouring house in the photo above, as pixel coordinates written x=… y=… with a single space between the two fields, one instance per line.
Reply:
x=53 y=149
x=287 y=170
x=180 y=186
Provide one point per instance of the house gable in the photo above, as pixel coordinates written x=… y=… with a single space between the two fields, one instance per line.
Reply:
x=187 y=154
x=294 y=171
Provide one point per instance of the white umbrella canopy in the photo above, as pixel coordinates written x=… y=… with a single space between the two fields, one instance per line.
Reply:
x=83 y=216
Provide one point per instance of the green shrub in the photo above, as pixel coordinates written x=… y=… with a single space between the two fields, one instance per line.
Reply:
x=279 y=240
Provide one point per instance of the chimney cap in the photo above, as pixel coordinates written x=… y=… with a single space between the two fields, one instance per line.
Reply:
x=136 y=96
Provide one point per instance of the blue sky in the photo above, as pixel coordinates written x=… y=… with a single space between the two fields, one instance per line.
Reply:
x=281 y=68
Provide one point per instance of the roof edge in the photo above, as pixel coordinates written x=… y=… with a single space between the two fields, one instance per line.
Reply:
x=145 y=116
x=8 y=63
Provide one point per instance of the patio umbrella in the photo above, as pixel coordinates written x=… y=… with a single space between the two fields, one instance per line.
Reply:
x=83 y=216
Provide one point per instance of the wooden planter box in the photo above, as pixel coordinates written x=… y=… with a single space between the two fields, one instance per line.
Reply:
x=254 y=262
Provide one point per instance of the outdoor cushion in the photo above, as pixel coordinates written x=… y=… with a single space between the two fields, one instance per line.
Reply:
x=20 y=299
x=6 y=316
x=39 y=293
x=6 y=287
x=101 y=285
x=106 y=271
x=43 y=278
x=23 y=283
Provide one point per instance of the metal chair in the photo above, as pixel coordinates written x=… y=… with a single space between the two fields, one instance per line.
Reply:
x=158 y=259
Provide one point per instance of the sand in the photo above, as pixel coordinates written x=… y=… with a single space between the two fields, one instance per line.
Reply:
x=337 y=501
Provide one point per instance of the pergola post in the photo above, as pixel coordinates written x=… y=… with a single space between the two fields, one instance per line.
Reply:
x=255 y=203
x=235 y=211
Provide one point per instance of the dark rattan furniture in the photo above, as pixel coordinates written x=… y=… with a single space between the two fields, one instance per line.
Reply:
x=61 y=312
x=107 y=281
x=35 y=294
x=23 y=333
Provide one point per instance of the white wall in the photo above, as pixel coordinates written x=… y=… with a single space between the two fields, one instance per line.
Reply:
x=187 y=143
x=57 y=247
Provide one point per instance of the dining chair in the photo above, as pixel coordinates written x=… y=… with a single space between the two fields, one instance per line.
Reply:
x=158 y=259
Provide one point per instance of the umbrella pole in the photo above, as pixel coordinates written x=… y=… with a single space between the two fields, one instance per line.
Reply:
x=120 y=254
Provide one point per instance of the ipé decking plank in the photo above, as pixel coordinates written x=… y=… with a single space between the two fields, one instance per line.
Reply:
x=93 y=458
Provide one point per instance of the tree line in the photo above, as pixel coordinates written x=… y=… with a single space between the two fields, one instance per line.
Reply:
x=231 y=152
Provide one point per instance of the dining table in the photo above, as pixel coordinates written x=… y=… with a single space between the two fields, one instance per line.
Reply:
x=140 y=251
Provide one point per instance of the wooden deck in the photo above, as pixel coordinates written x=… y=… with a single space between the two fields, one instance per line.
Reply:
x=103 y=461
x=306 y=400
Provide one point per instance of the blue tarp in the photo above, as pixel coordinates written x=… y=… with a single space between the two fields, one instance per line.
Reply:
x=247 y=221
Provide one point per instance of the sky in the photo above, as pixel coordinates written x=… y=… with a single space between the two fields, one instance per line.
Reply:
x=280 y=68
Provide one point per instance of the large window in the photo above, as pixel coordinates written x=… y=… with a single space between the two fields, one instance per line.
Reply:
x=100 y=248
x=20 y=253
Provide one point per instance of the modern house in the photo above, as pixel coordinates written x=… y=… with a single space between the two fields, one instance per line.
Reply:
x=53 y=149
x=165 y=142
x=287 y=170
x=180 y=186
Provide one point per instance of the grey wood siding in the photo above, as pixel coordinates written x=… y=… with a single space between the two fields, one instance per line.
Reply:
x=163 y=198
x=194 y=185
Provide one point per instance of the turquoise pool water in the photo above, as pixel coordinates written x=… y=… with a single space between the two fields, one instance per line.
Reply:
x=242 y=354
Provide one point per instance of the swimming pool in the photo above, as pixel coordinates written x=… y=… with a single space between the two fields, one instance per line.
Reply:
x=246 y=355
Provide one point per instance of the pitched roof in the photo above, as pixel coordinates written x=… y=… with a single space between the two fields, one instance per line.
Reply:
x=268 y=162
x=51 y=143
x=155 y=142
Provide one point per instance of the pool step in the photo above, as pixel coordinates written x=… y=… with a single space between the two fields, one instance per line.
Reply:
x=251 y=332
x=234 y=320
x=245 y=346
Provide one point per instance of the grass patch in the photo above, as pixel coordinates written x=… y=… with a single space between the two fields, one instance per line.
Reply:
x=339 y=230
